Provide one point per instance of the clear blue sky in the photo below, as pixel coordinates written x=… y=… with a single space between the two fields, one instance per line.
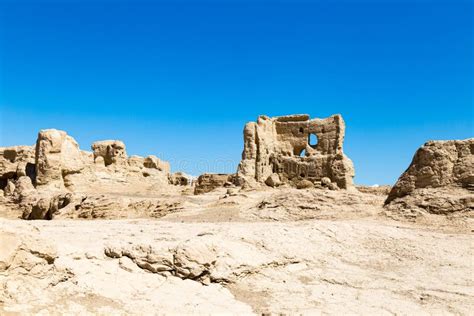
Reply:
x=180 y=79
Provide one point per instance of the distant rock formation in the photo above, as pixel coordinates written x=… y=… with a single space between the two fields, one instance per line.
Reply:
x=110 y=151
x=439 y=179
x=293 y=149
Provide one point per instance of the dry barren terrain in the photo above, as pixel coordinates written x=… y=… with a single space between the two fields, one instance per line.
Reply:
x=267 y=251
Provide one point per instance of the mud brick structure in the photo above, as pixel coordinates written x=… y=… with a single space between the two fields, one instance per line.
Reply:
x=294 y=148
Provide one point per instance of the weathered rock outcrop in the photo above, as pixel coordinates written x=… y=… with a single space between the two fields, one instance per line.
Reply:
x=439 y=180
x=438 y=164
x=296 y=148
x=57 y=157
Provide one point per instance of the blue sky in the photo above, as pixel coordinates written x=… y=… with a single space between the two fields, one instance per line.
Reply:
x=180 y=79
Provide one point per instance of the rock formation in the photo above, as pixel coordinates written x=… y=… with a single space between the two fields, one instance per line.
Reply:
x=438 y=180
x=293 y=148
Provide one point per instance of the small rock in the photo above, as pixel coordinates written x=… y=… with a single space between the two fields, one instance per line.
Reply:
x=325 y=181
x=304 y=184
x=9 y=188
x=232 y=191
x=273 y=180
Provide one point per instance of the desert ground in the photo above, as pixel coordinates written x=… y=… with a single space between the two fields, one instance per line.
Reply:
x=243 y=253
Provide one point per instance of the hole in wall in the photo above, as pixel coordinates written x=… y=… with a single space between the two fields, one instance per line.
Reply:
x=301 y=130
x=313 y=140
x=303 y=153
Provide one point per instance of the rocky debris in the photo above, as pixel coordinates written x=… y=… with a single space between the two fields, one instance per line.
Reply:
x=437 y=180
x=209 y=181
x=111 y=151
x=287 y=145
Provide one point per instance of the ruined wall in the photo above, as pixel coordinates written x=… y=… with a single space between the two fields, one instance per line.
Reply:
x=207 y=182
x=282 y=146
x=15 y=162
x=57 y=163
x=45 y=179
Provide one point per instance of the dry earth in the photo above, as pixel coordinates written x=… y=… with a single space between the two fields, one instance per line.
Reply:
x=240 y=252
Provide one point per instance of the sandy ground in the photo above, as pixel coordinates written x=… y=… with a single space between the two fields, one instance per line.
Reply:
x=250 y=253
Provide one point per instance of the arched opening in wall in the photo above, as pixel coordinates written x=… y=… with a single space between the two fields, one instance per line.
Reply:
x=303 y=153
x=313 y=140
x=31 y=171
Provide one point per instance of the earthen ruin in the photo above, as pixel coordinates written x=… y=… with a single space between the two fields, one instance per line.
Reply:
x=439 y=180
x=44 y=179
x=294 y=148
x=207 y=182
